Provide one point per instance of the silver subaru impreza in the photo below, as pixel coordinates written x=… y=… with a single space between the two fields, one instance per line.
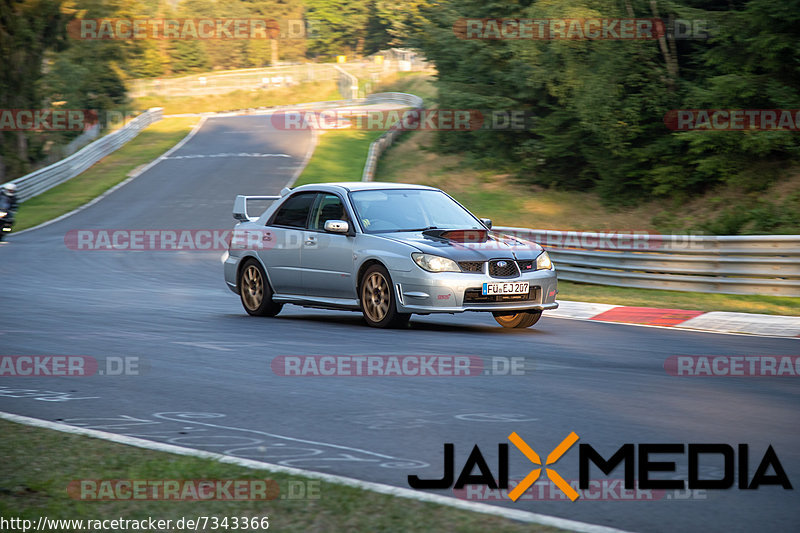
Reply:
x=388 y=250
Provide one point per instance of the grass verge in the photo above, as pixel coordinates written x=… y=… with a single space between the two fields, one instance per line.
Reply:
x=38 y=465
x=148 y=145
x=340 y=156
x=242 y=99
x=499 y=196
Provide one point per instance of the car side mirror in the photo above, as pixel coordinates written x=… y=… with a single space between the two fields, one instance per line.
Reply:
x=337 y=226
x=487 y=222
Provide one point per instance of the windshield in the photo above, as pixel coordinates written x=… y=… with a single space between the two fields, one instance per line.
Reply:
x=384 y=211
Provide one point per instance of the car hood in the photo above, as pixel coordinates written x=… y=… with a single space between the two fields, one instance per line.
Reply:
x=468 y=245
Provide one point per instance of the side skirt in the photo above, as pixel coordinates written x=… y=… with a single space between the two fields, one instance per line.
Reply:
x=319 y=303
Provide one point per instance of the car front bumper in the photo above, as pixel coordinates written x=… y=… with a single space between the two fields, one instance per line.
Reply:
x=419 y=291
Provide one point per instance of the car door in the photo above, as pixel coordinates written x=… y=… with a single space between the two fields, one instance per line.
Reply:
x=282 y=256
x=327 y=258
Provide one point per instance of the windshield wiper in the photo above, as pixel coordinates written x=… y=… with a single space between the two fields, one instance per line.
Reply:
x=420 y=229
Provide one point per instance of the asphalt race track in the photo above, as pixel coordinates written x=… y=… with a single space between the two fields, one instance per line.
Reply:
x=206 y=381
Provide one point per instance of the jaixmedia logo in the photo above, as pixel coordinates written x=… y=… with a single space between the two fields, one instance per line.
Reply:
x=634 y=458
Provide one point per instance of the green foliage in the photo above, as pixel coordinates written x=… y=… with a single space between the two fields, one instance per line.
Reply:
x=393 y=26
x=28 y=30
x=757 y=217
x=340 y=26
x=87 y=74
x=187 y=56
x=193 y=55
x=42 y=67
x=599 y=106
x=351 y=27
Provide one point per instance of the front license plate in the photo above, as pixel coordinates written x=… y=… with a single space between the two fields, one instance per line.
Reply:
x=494 y=289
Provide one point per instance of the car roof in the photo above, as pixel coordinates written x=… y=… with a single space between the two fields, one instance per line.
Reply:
x=362 y=186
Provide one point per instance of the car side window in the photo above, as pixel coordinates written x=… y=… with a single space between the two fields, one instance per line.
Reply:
x=294 y=212
x=329 y=207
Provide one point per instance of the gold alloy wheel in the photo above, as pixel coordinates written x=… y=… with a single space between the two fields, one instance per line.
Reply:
x=376 y=297
x=252 y=287
x=507 y=320
x=523 y=319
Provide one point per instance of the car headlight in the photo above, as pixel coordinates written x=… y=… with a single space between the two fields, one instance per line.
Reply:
x=434 y=263
x=543 y=262
x=3 y=214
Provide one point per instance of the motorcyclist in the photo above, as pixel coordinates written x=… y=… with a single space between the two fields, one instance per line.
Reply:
x=8 y=197
x=8 y=207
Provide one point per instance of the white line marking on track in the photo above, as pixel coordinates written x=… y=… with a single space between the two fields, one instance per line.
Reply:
x=380 y=488
x=207 y=345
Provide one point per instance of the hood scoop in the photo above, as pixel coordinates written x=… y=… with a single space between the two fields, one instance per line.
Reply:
x=467 y=236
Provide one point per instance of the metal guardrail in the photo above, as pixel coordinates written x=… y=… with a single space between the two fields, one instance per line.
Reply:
x=383 y=142
x=347 y=84
x=45 y=178
x=748 y=264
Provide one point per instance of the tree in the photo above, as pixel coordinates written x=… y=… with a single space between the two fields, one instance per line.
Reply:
x=598 y=106
x=340 y=26
x=28 y=29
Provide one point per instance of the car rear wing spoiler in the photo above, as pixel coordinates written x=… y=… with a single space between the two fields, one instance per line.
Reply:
x=240 y=206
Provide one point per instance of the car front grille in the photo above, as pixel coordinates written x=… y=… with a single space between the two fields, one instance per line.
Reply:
x=507 y=270
x=474 y=296
x=471 y=266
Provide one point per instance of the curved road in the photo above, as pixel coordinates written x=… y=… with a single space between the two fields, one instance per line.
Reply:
x=206 y=380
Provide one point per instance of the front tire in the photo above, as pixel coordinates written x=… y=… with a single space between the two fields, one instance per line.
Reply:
x=523 y=319
x=255 y=292
x=378 y=303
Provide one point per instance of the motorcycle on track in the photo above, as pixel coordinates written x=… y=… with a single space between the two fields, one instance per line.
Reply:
x=6 y=222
